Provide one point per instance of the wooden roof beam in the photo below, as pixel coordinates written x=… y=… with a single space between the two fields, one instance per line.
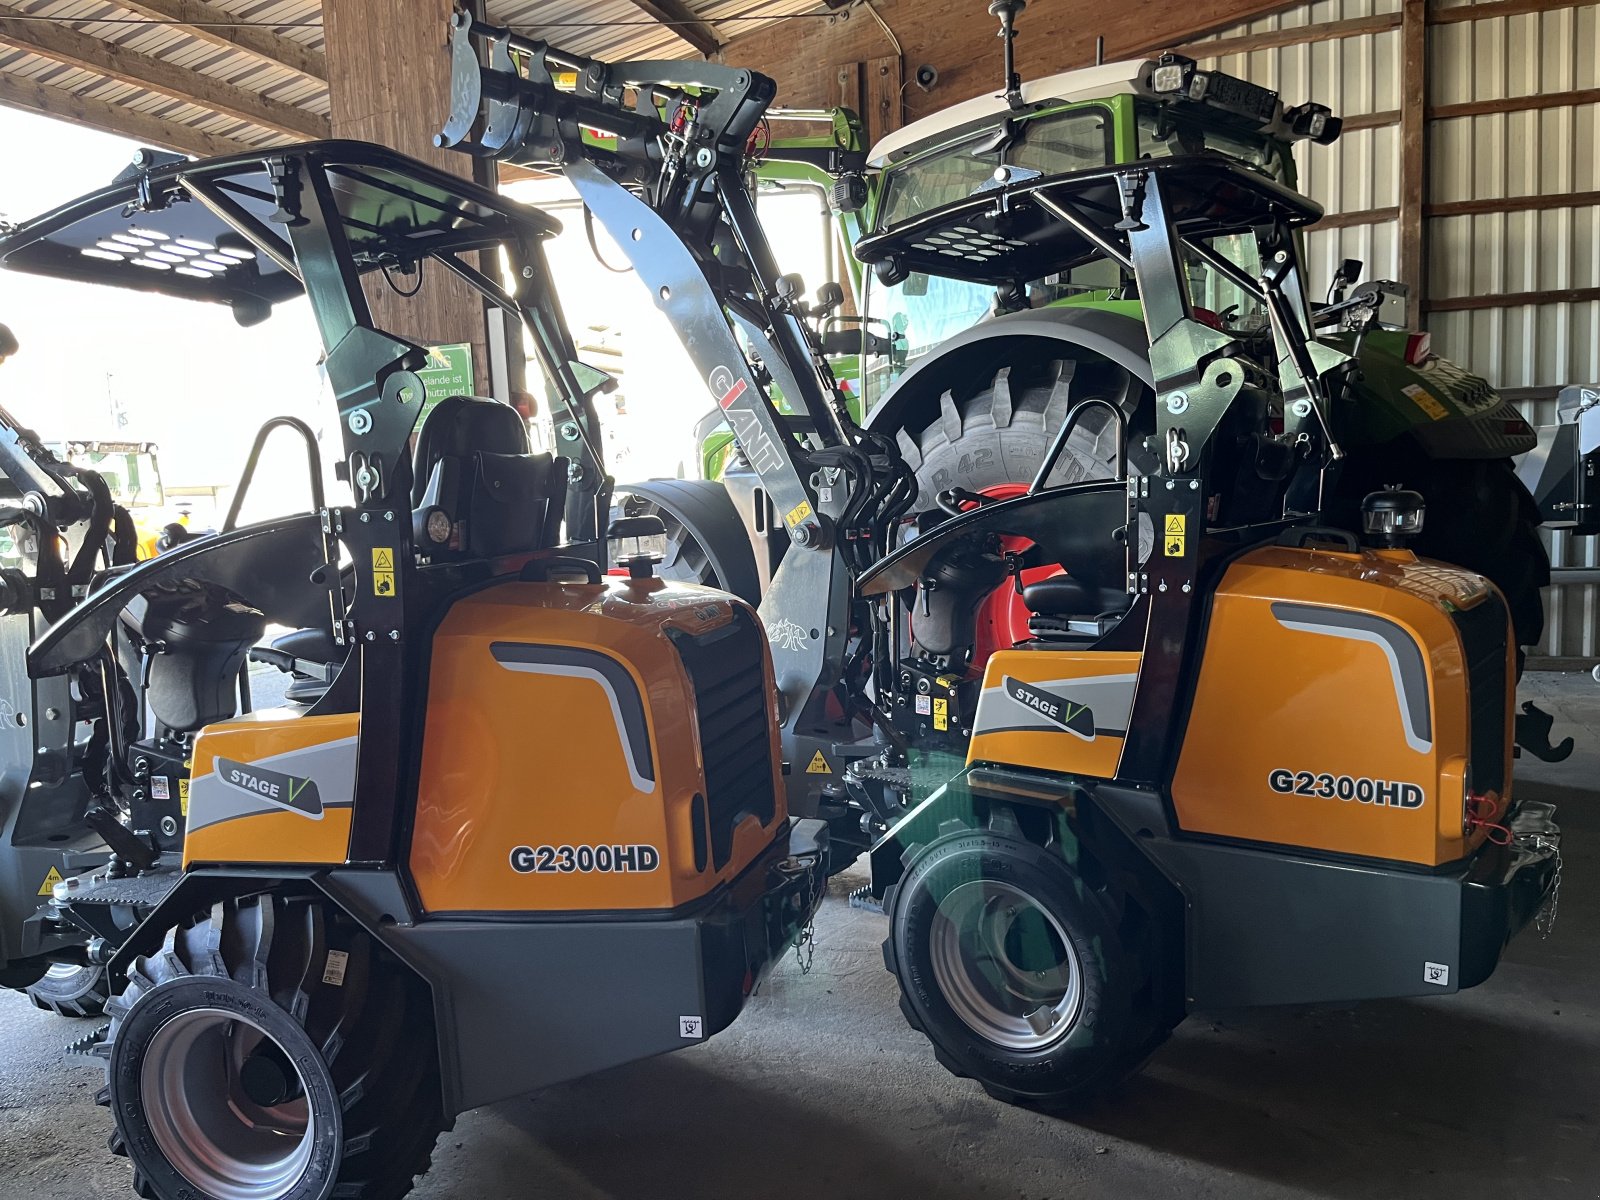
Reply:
x=223 y=29
x=66 y=45
x=113 y=118
x=682 y=22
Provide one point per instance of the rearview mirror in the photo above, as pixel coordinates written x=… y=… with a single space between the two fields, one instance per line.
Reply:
x=593 y=380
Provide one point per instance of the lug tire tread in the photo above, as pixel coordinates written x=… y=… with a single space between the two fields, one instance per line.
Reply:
x=277 y=945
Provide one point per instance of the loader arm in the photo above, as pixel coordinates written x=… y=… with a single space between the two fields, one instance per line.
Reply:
x=658 y=153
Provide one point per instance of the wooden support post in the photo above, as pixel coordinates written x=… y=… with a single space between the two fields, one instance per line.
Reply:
x=848 y=90
x=885 y=95
x=389 y=65
x=1414 y=153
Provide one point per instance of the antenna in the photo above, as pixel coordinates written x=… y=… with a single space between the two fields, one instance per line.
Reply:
x=1100 y=51
x=1007 y=11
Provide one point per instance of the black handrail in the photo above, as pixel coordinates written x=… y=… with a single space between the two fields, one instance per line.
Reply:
x=313 y=460
x=1067 y=426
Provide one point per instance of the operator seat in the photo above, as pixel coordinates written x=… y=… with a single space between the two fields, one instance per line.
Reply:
x=1065 y=608
x=472 y=463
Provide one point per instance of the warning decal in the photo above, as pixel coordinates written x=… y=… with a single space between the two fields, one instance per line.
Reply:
x=1423 y=399
x=818 y=765
x=383 y=570
x=50 y=881
x=797 y=514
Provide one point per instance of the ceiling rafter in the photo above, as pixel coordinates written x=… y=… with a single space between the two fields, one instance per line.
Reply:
x=209 y=24
x=66 y=45
x=683 y=23
x=114 y=118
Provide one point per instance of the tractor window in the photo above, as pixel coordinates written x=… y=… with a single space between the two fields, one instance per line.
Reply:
x=1163 y=134
x=916 y=315
x=1065 y=141
x=1234 y=307
x=132 y=475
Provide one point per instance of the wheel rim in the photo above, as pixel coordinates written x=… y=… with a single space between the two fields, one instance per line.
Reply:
x=61 y=972
x=226 y=1106
x=1005 y=965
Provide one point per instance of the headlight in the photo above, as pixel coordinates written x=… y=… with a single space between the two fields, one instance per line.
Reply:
x=1198 y=86
x=1319 y=122
x=1168 y=78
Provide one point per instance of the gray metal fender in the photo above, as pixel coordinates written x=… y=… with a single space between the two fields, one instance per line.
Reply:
x=968 y=360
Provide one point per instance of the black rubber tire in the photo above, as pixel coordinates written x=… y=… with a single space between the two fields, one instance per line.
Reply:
x=365 y=1048
x=1482 y=517
x=1001 y=433
x=71 y=991
x=706 y=539
x=1113 y=1033
x=1479 y=516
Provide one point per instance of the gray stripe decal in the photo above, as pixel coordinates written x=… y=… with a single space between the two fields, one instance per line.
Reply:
x=331 y=764
x=1109 y=698
x=1406 y=665
x=627 y=709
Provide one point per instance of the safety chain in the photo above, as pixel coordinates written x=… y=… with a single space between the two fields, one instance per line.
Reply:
x=1545 y=921
x=805 y=946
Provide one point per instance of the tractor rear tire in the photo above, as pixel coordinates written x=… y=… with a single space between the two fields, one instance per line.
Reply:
x=71 y=990
x=1001 y=434
x=247 y=1058
x=1022 y=976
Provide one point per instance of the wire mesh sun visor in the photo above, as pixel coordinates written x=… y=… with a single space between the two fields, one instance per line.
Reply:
x=1079 y=526
x=213 y=230
x=1025 y=231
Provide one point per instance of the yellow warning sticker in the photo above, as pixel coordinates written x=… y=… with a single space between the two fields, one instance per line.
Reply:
x=798 y=513
x=383 y=570
x=1177 y=523
x=1425 y=400
x=941 y=714
x=183 y=796
x=49 y=885
x=818 y=765
x=1173 y=545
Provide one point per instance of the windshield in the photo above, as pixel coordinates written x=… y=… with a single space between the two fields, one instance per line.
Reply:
x=1072 y=140
x=132 y=475
x=1166 y=134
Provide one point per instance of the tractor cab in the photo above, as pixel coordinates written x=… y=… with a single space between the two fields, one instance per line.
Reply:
x=1121 y=112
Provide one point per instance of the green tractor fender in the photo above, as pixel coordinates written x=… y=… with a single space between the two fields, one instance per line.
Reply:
x=1451 y=413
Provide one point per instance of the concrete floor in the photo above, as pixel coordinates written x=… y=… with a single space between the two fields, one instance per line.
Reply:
x=820 y=1090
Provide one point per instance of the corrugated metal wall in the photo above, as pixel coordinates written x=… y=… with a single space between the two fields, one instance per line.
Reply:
x=1530 y=152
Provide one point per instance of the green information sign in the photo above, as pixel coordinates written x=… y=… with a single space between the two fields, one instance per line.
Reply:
x=448 y=373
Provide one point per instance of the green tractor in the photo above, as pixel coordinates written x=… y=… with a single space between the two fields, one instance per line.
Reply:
x=972 y=380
